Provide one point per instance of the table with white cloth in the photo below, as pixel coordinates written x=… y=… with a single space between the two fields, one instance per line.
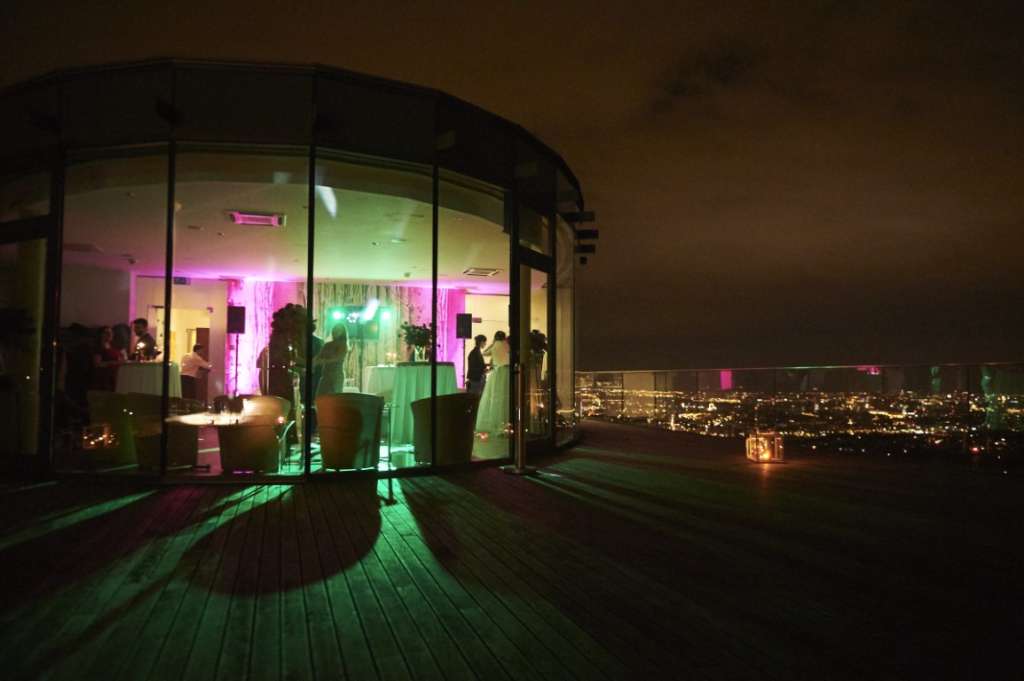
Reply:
x=412 y=382
x=379 y=380
x=148 y=378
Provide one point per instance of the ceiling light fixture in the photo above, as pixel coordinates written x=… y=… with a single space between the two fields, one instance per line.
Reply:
x=257 y=219
x=480 y=271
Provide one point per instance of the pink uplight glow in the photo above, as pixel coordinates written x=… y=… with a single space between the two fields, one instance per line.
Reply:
x=725 y=379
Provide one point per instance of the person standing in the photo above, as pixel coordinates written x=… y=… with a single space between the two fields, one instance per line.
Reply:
x=493 y=415
x=105 y=361
x=331 y=361
x=476 y=374
x=191 y=365
x=145 y=346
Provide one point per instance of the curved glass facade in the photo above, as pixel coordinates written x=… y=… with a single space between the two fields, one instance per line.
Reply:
x=280 y=271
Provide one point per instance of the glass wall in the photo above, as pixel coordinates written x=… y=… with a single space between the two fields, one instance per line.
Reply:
x=237 y=325
x=373 y=304
x=534 y=346
x=565 y=407
x=24 y=196
x=474 y=252
x=22 y=267
x=108 y=405
x=242 y=318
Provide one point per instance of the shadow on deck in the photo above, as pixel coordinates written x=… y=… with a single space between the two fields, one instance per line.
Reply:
x=641 y=552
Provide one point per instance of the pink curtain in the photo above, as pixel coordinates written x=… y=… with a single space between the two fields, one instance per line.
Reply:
x=258 y=299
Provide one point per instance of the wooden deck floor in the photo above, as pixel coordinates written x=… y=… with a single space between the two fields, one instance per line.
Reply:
x=641 y=553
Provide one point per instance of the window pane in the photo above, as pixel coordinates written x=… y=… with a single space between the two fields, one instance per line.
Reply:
x=244 y=104
x=118 y=106
x=473 y=280
x=238 y=318
x=536 y=192
x=533 y=343
x=110 y=383
x=22 y=291
x=565 y=407
x=24 y=195
x=374 y=119
x=28 y=124
x=372 y=274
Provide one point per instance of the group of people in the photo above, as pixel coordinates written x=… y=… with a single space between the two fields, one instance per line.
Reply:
x=492 y=386
x=114 y=347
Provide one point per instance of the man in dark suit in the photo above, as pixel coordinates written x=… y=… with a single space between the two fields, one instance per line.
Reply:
x=475 y=376
x=145 y=346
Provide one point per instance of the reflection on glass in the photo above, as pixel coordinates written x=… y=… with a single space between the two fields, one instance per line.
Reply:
x=22 y=268
x=533 y=345
x=565 y=408
x=24 y=196
x=107 y=413
x=238 y=320
x=473 y=421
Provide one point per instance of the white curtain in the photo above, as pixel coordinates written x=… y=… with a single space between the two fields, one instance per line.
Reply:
x=406 y=303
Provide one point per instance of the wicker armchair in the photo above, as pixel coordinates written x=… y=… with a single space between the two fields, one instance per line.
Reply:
x=349 y=426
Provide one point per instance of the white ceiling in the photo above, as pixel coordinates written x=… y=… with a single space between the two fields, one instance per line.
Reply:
x=380 y=230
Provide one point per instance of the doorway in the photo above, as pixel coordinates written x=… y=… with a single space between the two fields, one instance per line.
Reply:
x=534 y=356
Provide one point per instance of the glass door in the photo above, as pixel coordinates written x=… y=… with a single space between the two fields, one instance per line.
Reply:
x=22 y=292
x=534 y=334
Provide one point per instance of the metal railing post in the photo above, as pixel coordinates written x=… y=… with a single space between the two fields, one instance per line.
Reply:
x=519 y=467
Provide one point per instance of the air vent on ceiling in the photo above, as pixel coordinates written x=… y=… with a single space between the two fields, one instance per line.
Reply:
x=83 y=248
x=480 y=272
x=240 y=217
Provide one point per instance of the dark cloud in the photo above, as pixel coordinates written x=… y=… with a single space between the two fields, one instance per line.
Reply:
x=707 y=72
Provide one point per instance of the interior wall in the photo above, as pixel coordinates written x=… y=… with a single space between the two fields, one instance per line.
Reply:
x=196 y=298
x=493 y=313
x=95 y=296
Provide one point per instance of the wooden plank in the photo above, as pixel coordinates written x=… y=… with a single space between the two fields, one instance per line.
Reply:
x=512 y=591
x=325 y=653
x=484 y=662
x=211 y=630
x=115 y=610
x=181 y=637
x=296 y=661
x=236 y=647
x=92 y=552
x=348 y=625
x=492 y=595
x=463 y=596
x=384 y=642
x=470 y=598
x=424 y=632
x=178 y=564
x=555 y=585
x=265 y=656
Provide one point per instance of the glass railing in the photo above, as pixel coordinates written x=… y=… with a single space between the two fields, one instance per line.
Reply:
x=977 y=409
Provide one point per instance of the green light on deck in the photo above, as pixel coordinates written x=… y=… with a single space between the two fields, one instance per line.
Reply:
x=336 y=315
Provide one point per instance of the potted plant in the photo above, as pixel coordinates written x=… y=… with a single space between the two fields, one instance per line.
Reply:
x=418 y=337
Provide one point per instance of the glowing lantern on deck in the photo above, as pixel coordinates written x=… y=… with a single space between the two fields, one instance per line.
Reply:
x=764 y=447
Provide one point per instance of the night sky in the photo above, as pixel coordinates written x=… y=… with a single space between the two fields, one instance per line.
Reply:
x=818 y=182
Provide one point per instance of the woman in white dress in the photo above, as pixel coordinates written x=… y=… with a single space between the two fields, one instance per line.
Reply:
x=492 y=416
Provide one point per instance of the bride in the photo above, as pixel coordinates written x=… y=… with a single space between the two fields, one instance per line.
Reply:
x=492 y=416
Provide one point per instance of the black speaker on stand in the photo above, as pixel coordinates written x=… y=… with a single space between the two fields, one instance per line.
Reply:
x=463 y=330
x=236 y=325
